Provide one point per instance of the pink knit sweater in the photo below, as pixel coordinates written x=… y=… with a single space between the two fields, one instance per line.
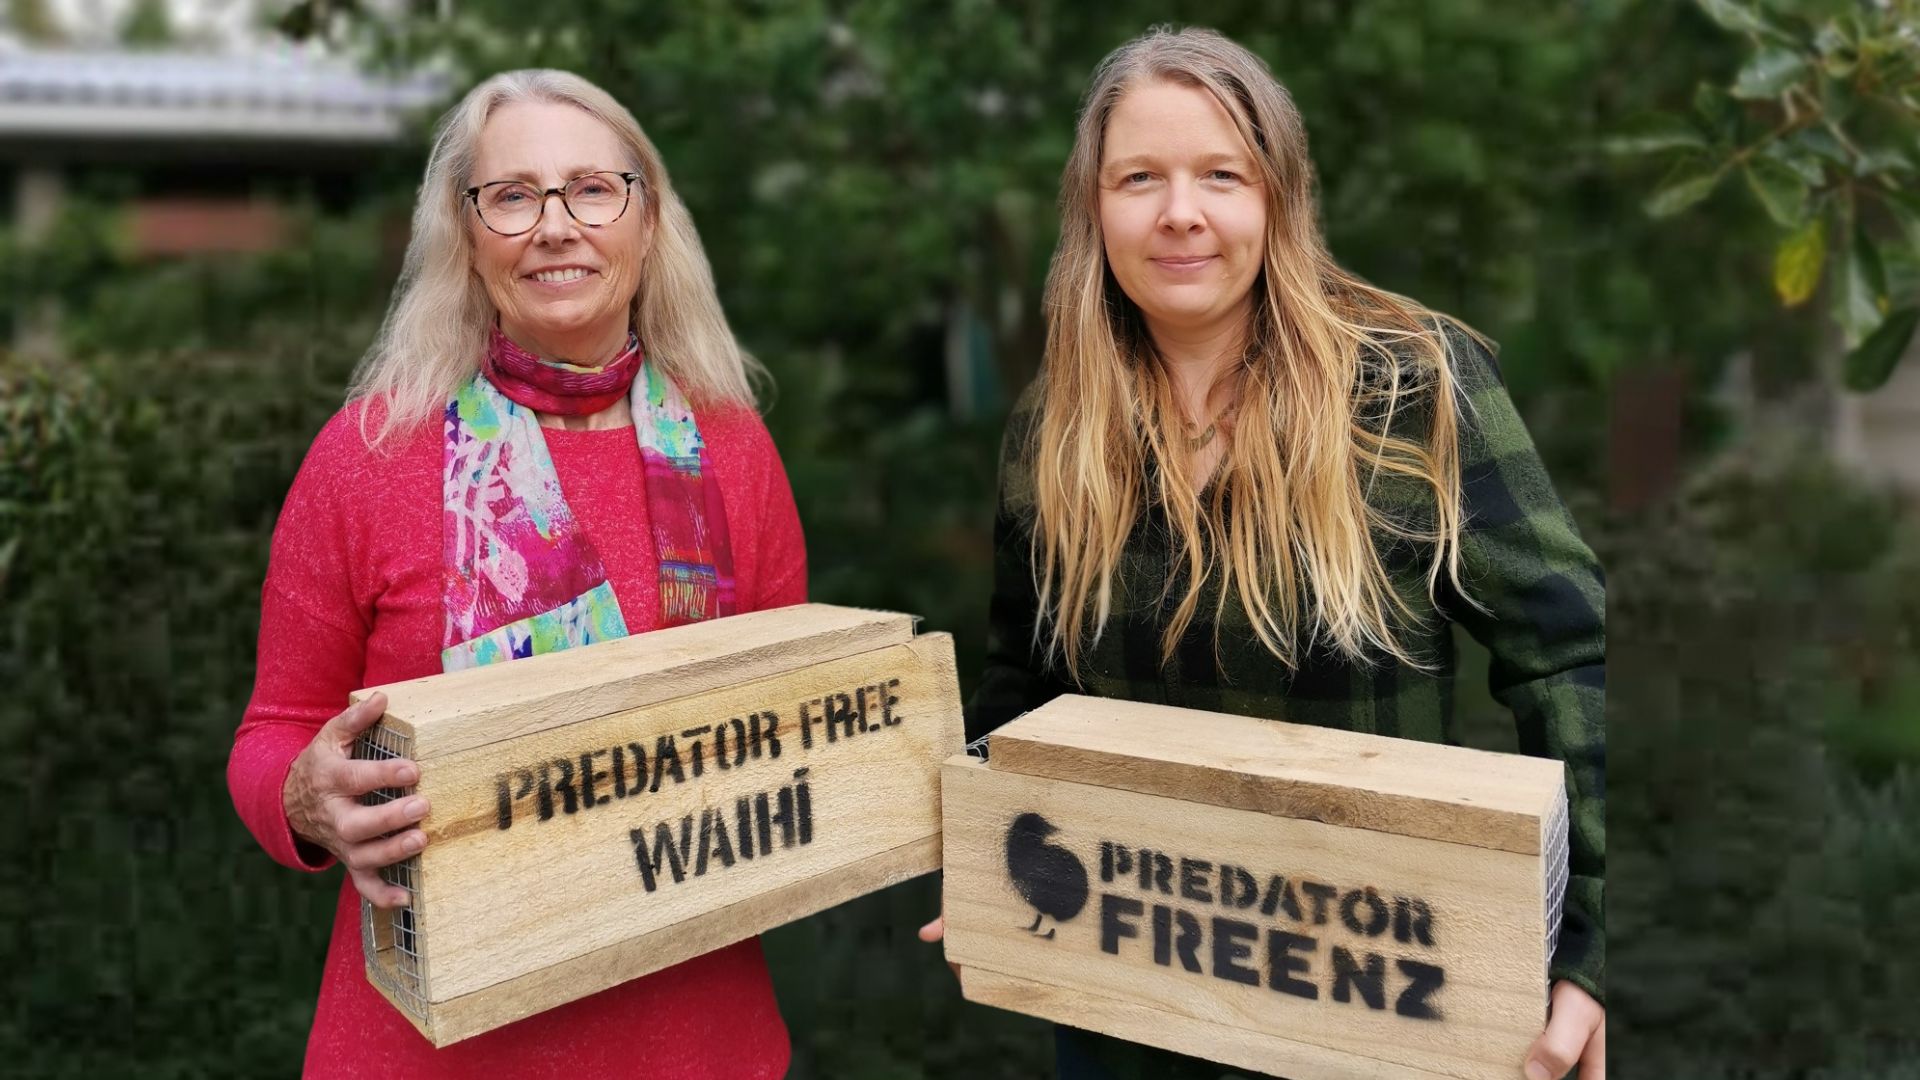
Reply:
x=353 y=599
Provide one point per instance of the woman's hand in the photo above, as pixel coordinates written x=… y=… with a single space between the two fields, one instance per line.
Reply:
x=936 y=931
x=322 y=799
x=1576 y=1034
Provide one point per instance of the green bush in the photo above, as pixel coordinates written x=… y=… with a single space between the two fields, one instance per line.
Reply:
x=1764 y=890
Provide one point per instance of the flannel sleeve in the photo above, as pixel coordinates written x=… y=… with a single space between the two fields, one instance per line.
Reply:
x=1535 y=597
x=1017 y=677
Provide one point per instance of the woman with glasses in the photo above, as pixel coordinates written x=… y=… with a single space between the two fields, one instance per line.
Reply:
x=552 y=443
x=1247 y=481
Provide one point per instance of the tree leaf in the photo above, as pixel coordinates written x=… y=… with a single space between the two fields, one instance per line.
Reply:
x=1780 y=189
x=1686 y=185
x=1742 y=17
x=1821 y=143
x=1769 y=74
x=1802 y=161
x=1653 y=134
x=1871 y=365
x=1905 y=208
x=1798 y=261
x=1885 y=159
x=1838 y=56
x=1858 y=290
x=1718 y=109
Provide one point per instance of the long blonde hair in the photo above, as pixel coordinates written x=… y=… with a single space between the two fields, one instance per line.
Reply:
x=1329 y=361
x=431 y=342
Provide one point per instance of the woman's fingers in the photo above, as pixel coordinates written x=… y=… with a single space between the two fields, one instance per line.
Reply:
x=1574 y=1020
x=354 y=719
x=356 y=778
x=1593 y=1064
x=374 y=854
x=358 y=823
x=935 y=930
x=377 y=891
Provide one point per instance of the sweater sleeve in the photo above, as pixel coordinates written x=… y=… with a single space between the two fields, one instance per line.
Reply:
x=312 y=646
x=1538 y=604
x=781 y=573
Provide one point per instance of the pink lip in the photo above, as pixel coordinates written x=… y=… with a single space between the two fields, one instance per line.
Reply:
x=1183 y=262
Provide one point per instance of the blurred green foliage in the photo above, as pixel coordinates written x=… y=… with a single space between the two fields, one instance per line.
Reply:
x=1822 y=121
x=864 y=175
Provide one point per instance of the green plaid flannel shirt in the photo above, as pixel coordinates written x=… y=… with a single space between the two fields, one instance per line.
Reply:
x=1543 y=622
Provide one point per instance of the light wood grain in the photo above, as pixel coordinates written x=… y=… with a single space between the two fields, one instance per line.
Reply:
x=1486 y=930
x=499 y=904
x=516 y=999
x=1263 y=1053
x=1347 y=778
x=455 y=711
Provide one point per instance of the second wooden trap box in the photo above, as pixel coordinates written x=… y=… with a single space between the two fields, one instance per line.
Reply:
x=601 y=813
x=1311 y=903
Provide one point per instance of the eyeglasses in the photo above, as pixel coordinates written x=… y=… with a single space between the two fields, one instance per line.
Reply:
x=511 y=207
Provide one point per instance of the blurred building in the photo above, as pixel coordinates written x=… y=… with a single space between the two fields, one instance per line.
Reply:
x=1879 y=433
x=205 y=148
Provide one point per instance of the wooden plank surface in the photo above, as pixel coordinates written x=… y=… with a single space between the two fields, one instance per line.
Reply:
x=527 y=867
x=456 y=711
x=484 y=1010
x=1323 y=913
x=1289 y=770
x=1224 y=1043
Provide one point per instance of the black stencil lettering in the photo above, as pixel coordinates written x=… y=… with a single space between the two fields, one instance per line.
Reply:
x=666 y=762
x=639 y=755
x=804 y=806
x=589 y=774
x=1412 y=919
x=1282 y=964
x=1237 y=887
x=1422 y=981
x=1230 y=937
x=569 y=802
x=743 y=825
x=1114 y=910
x=1187 y=942
x=770 y=733
x=1376 y=921
x=840 y=718
x=1281 y=897
x=807 y=720
x=1348 y=975
x=713 y=840
x=663 y=847
x=699 y=763
x=1193 y=879
x=1322 y=896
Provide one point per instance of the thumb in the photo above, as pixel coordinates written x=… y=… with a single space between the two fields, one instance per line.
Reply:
x=357 y=718
x=934 y=930
x=1561 y=1045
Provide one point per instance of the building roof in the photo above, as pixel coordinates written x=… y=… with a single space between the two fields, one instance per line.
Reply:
x=282 y=95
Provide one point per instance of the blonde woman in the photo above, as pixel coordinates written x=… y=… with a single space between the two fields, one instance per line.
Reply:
x=552 y=443
x=1248 y=481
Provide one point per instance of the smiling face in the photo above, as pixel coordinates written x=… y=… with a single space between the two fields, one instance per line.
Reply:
x=1183 y=212
x=563 y=289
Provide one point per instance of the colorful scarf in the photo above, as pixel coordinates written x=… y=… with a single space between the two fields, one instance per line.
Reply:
x=522 y=576
x=550 y=386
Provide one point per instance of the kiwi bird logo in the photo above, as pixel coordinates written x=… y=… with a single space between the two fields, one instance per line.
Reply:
x=1048 y=876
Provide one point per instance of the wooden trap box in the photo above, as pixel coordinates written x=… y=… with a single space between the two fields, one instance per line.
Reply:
x=607 y=811
x=1312 y=903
